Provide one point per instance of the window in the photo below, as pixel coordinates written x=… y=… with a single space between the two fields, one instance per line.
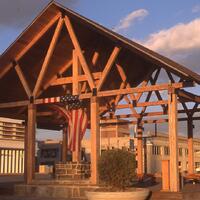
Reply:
x=179 y=164
x=186 y=152
x=166 y=150
x=180 y=151
x=156 y=150
x=197 y=165
x=49 y=153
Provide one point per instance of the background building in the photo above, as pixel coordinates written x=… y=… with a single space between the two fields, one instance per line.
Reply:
x=157 y=149
x=11 y=146
x=49 y=152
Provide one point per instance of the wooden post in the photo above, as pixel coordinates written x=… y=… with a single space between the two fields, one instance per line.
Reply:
x=30 y=145
x=165 y=175
x=76 y=155
x=173 y=141
x=139 y=151
x=95 y=139
x=145 y=155
x=64 y=145
x=190 y=145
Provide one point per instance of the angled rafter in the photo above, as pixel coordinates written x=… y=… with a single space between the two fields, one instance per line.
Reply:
x=48 y=56
x=122 y=86
x=153 y=81
x=189 y=96
x=51 y=81
x=84 y=87
x=94 y=62
x=79 y=52
x=95 y=58
x=124 y=78
x=139 y=95
x=195 y=107
x=75 y=72
x=170 y=76
x=30 y=45
x=23 y=80
x=158 y=94
x=108 y=66
x=185 y=107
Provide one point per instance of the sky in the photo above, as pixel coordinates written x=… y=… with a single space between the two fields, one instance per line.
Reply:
x=171 y=27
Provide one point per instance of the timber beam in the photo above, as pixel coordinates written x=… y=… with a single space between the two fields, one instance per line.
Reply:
x=23 y=80
x=111 y=93
x=14 y=104
x=68 y=80
x=189 y=96
x=146 y=121
x=149 y=114
x=48 y=57
x=108 y=66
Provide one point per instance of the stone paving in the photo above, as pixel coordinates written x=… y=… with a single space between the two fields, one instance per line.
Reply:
x=189 y=192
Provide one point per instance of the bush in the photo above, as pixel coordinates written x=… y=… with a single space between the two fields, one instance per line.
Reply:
x=117 y=168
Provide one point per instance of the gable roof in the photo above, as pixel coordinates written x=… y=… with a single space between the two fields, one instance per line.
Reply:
x=30 y=48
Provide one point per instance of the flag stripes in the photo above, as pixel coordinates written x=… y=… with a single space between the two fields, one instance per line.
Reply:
x=51 y=100
x=77 y=124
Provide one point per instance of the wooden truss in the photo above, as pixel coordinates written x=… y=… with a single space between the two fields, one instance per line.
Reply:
x=95 y=80
x=89 y=85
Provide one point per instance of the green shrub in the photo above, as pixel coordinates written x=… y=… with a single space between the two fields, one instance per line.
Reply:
x=117 y=168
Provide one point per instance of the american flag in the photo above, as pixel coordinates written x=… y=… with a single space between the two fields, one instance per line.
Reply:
x=67 y=99
x=77 y=124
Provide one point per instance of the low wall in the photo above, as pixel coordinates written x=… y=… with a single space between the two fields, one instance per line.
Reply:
x=72 y=171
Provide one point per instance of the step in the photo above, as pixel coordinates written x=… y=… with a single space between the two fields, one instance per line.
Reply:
x=53 y=190
x=167 y=196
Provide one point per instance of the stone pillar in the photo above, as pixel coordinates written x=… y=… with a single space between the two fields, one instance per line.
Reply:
x=173 y=141
x=95 y=139
x=190 y=145
x=64 y=145
x=139 y=151
x=30 y=144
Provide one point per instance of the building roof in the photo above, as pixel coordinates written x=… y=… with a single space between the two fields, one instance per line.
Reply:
x=137 y=61
x=54 y=8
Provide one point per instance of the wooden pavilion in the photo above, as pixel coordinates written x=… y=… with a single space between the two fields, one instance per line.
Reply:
x=63 y=52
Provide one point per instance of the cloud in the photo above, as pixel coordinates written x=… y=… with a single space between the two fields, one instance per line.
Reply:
x=18 y=13
x=180 y=42
x=130 y=19
x=196 y=9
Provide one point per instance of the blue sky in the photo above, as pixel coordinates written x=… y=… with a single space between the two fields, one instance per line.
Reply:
x=170 y=27
x=157 y=16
